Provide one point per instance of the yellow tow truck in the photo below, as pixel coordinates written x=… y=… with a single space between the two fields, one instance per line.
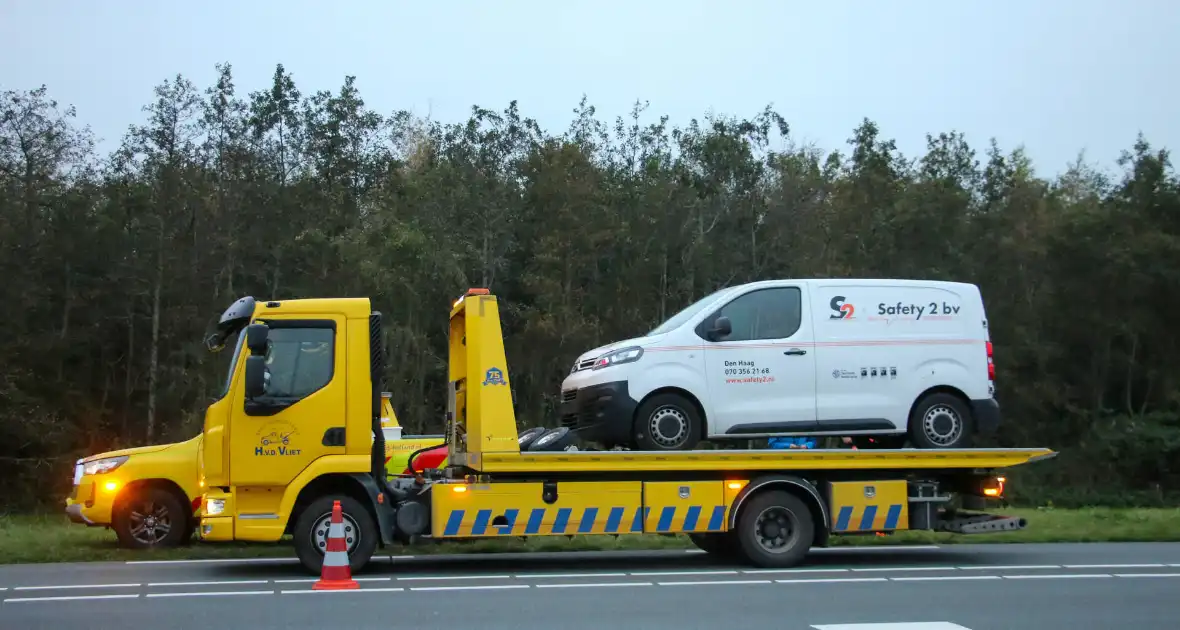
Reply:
x=310 y=371
x=150 y=495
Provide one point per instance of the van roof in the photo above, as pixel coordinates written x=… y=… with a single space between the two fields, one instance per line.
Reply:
x=859 y=281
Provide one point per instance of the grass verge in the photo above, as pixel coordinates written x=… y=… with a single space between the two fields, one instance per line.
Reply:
x=51 y=538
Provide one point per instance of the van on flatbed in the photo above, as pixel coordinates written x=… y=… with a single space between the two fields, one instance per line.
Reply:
x=899 y=360
x=762 y=507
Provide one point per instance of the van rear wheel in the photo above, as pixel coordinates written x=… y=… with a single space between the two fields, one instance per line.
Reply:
x=941 y=420
x=667 y=422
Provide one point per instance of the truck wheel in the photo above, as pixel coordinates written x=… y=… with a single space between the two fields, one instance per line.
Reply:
x=941 y=421
x=150 y=518
x=667 y=422
x=311 y=533
x=775 y=529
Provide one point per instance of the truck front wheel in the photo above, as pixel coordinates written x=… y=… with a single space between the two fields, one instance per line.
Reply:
x=311 y=532
x=775 y=529
x=150 y=517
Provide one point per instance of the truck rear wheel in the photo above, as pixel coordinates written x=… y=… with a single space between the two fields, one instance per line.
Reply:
x=775 y=529
x=311 y=532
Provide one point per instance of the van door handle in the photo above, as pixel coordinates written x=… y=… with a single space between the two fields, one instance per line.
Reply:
x=795 y=352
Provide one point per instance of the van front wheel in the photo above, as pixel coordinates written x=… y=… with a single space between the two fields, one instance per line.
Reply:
x=667 y=422
x=941 y=421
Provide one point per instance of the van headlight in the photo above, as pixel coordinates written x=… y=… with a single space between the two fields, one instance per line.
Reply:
x=104 y=465
x=625 y=355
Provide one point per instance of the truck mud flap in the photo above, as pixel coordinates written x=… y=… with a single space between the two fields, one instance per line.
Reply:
x=981 y=524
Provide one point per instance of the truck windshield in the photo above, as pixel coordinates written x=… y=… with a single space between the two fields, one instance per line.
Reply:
x=686 y=314
x=233 y=362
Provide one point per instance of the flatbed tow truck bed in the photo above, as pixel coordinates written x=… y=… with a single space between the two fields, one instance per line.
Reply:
x=761 y=507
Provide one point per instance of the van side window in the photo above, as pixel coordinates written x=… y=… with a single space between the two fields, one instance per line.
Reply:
x=764 y=314
x=299 y=361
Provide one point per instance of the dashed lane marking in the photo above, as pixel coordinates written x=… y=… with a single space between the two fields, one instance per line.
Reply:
x=481 y=587
x=594 y=585
x=209 y=583
x=210 y=593
x=387 y=589
x=1114 y=566
x=714 y=582
x=455 y=577
x=904 y=625
x=66 y=586
x=70 y=598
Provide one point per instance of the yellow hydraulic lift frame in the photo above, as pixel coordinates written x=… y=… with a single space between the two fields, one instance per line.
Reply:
x=505 y=492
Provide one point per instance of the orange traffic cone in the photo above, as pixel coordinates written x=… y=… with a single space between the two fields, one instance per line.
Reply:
x=336 y=574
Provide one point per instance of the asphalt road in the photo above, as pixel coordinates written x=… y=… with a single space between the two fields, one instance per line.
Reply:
x=972 y=587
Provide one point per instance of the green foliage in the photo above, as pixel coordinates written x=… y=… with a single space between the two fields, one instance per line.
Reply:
x=114 y=267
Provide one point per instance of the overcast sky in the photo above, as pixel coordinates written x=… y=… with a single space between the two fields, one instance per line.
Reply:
x=1058 y=76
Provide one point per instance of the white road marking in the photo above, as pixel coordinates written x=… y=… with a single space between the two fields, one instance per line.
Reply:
x=654 y=573
x=297 y=581
x=65 y=586
x=1058 y=576
x=825 y=580
x=903 y=569
x=391 y=589
x=940 y=578
x=70 y=598
x=468 y=588
x=541 y=576
x=210 y=583
x=594 y=585
x=760 y=571
x=1011 y=567
x=1146 y=575
x=210 y=593
x=456 y=577
x=713 y=582
x=904 y=625
x=1115 y=565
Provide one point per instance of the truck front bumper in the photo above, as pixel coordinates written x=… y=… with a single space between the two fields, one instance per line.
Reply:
x=88 y=505
x=216 y=529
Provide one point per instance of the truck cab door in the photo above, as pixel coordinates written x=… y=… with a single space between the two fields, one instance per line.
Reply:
x=762 y=373
x=300 y=417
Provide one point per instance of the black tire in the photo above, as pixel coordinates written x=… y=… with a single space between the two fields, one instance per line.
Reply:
x=720 y=545
x=761 y=523
x=360 y=532
x=941 y=421
x=677 y=424
x=528 y=436
x=151 y=518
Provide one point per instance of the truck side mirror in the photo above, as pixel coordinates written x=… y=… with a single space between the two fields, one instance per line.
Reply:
x=255 y=376
x=721 y=328
x=256 y=336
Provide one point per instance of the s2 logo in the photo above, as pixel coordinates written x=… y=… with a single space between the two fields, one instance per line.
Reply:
x=842 y=310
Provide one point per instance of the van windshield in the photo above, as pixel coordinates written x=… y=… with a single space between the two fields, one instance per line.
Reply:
x=686 y=314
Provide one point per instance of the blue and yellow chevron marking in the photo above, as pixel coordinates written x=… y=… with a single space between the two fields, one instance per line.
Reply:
x=868 y=518
x=589 y=520
x=873 y=506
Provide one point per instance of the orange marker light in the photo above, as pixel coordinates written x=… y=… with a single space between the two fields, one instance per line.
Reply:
x=459 y=488
x=734 y=485
x=110 y=486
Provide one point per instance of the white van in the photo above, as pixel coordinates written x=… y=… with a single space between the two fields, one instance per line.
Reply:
x=900 y=360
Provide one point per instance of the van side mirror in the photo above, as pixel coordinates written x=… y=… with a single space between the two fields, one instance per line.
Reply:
x=255 y=376
x=256 y=337
x=721 y=328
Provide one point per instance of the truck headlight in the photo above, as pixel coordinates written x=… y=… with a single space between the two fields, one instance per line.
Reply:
x=104 y=465
x=625 y=355
x=213 y=507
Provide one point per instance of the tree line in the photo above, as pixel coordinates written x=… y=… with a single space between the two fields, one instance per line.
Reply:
x=116 y=265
